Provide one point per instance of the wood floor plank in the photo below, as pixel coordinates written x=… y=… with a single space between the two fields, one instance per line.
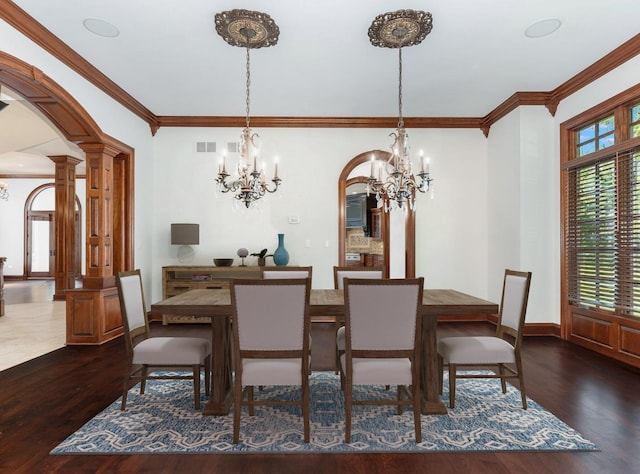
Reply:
x=44 y=400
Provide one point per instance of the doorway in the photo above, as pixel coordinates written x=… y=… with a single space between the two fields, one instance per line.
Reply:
x=399 y=228
x=39 y=236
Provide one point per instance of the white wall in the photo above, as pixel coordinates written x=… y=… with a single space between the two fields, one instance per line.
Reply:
x=311 y=161
x=451 y=236
x=523 y=225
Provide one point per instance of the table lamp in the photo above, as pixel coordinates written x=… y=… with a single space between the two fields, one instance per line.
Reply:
x=185 y=235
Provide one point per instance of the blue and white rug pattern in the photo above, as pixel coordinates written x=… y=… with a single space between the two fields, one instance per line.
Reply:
x=164 y=420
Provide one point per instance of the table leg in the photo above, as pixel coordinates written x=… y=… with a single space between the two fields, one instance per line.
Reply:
x=431 y=402
x=221 y=383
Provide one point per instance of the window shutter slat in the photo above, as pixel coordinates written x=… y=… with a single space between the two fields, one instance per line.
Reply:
x=603 y=234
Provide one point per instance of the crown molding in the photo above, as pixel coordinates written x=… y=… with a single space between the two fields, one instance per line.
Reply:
x=626 y=51
x=623 y=53
x=320 y=122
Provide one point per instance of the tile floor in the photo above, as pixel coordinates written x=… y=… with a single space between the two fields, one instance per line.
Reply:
x=33 y=324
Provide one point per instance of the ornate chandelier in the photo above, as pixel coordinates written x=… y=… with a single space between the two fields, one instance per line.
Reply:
x=247 y=29
x=397 y=30
x=4 y=191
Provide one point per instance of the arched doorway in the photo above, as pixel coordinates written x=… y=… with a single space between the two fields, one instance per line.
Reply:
x=39 y=235
x=350 y=174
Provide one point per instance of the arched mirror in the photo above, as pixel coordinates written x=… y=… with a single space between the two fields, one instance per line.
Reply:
x=367 y=235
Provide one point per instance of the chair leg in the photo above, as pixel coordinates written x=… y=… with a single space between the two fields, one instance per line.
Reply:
x=452 y=385
x=336 y=326
x=305 y=410
x=503 y=381
x=237 y=408
x=125 y=386
x=125 y=390
x=207 y=375
x=250 y=399
x=347 y=413
x=521 y=380
x=440 y=373
x=196 y=385
x=417 y=420
x=400 y=389
x=143 y=374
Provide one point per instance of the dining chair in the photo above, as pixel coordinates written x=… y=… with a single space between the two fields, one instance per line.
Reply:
x=383 y=327
x=501 y=352
x=269 y=273
x=271 y=326
x=339 y=274
x=276 y=273
x=146 y=353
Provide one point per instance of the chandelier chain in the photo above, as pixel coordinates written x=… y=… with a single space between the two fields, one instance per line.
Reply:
x=248 y=88
x=400 y=119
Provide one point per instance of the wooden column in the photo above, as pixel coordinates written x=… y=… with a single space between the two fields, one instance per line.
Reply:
x=93 y=312
x=99 y=207
x=65 y=232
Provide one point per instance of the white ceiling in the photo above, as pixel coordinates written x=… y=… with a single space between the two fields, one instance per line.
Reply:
x=27 y=139
x=169 y=57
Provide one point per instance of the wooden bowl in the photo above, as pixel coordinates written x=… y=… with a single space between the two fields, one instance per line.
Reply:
x=223 y=262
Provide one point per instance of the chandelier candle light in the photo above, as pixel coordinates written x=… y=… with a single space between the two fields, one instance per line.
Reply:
x=397 y=30
x=250 y=30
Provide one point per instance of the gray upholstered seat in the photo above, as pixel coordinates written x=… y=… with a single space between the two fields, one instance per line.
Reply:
x=383 y=327
x=145 y=353
x=271 y=343
x=500 y=352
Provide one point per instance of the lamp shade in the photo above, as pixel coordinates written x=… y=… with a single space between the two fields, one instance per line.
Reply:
x=185 y=234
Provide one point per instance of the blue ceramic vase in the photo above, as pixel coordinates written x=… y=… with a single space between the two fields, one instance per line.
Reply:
x=281 y=256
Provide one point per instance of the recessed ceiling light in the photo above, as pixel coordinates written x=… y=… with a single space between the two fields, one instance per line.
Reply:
x=100 y=27
x=542 y=28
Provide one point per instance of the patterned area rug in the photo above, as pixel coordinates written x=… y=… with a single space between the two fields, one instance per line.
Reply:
x=164 y=421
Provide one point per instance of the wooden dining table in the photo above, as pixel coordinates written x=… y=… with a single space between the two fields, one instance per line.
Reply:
x=216 y=303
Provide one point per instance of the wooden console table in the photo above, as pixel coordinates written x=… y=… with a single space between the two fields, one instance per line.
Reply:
x=182 y=278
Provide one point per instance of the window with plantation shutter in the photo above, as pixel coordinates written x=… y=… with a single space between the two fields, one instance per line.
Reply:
x=603 y=234
x=600 y=208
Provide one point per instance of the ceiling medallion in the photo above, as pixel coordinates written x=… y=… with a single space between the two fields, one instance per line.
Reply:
x=247 y=29
x=400 y=28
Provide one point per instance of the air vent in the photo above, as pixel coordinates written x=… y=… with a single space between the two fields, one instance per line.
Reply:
x=205 y=147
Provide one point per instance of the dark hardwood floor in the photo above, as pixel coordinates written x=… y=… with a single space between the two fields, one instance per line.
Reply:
x=46 y=399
